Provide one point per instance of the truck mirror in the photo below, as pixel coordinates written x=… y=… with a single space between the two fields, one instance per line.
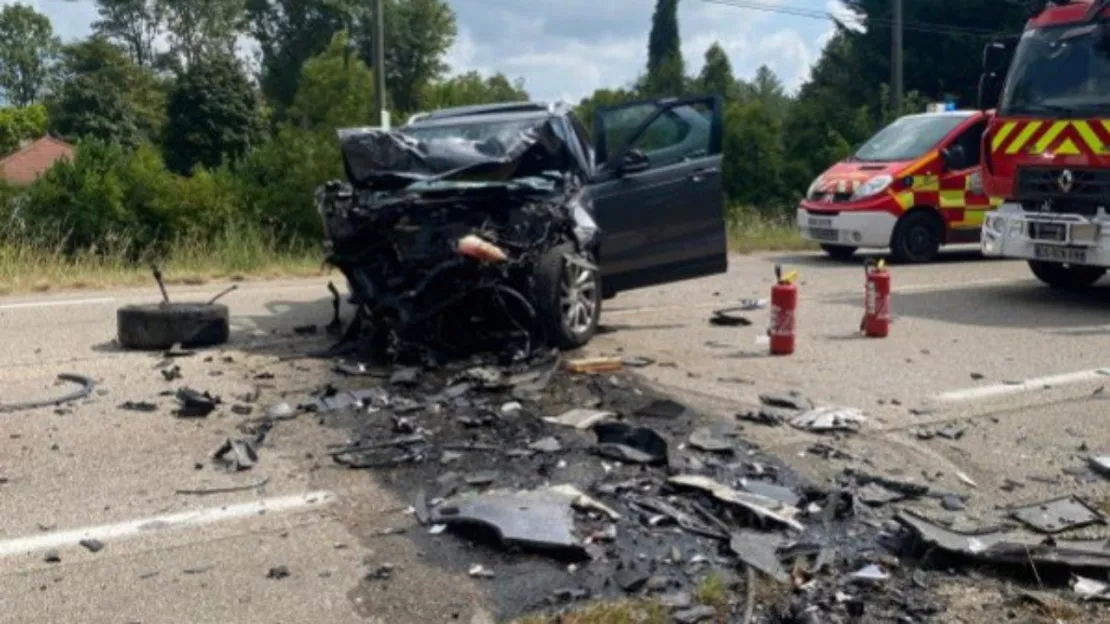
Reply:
x=994 y=55
x=988 y=90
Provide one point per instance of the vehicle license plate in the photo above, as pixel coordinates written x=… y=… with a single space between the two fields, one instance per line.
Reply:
x=820 y=222
x=824 y=234
x=1060 y=254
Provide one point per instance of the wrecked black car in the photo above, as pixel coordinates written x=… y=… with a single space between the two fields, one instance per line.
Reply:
x=476 y=225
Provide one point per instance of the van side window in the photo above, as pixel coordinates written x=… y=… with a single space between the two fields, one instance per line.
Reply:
x=972 y=142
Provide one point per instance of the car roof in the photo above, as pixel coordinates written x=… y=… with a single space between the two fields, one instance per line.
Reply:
x=953 y=113
x=502 y=111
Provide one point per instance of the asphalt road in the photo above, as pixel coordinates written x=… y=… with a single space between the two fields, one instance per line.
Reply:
x=973 y=342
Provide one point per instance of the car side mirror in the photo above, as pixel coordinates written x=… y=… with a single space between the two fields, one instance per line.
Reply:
x=954 y=157
x=634 y=160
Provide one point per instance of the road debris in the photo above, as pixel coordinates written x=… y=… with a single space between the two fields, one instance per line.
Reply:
x=581 y=419
x=1058 y=515
x=236 y=455
x=761 y=506
x=195 y=404
x=824 y=419
x=138 y=406
x=278 y=572
x=92 y=545
x=540 y=520
x=86 y=387
x=595 y=365
x=254 y=485
x=639 y=445
x=727 y=317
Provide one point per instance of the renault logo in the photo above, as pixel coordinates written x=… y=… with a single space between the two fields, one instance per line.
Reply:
x=1066 y=180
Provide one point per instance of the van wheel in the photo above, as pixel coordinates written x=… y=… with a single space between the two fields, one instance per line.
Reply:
x=839 y=252
x=916 y=237
x=1066 y=277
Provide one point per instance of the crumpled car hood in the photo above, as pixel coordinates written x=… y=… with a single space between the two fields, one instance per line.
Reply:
x=389 y=160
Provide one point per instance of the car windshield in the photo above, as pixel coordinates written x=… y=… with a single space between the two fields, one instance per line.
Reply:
x=1058 y=72
x=908 y=137
x=474 y=130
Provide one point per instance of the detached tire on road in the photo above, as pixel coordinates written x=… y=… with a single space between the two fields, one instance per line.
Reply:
x=1066 y=277
x=568 y=298
x=917 y=237
x=155 y=326
x=839 y=252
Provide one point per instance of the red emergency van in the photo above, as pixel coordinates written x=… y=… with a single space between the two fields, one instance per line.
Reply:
x=914 y=186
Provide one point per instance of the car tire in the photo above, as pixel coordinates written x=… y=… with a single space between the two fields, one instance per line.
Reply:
x=1066 y=277
x=156 y=326
x=916 y=238
x=568 y=298
x=839 y=252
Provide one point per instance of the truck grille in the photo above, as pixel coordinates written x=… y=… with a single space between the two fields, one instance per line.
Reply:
x=1044 y=183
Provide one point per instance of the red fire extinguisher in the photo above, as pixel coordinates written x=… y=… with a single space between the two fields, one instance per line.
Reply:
x=784 y=302
x=876 y=301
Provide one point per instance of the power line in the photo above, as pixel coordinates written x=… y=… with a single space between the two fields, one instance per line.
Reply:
x=925 y=27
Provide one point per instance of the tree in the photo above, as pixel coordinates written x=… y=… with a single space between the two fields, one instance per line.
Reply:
x=212 y=115
x=716 y=74
x=27 y=50
x=666 y=71
x=336 y=89
x=471 y=88
x=289 y=32
x=134 y=23
x=199 y=27
x=418 y=35
x=21 y=124
x=753 y=155
x=107 y=95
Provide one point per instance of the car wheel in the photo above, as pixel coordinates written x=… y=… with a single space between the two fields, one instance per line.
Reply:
x=154 y=326
x=916 y=237
x=568 y=298
x=1066 y=277
x=839 y=252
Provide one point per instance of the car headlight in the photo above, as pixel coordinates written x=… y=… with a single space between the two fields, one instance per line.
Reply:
x=814 y=187
x=875 y=185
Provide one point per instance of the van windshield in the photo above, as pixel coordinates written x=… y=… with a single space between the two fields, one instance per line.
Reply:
x=908 y=137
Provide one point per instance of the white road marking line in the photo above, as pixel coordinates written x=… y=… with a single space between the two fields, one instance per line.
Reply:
x=157 y=524
x=1037 y=383
x=51 y=304
x=804 y=297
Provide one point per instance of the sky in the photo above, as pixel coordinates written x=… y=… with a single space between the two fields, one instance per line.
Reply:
x=565 y=49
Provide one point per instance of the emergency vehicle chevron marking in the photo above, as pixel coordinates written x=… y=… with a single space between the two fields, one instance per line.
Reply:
x=1023 y=137
x=1003 y=134
x=1049 y=136
x=1067 y=137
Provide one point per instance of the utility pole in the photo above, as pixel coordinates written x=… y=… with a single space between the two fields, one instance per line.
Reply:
x=896 y=79
x=379 y=61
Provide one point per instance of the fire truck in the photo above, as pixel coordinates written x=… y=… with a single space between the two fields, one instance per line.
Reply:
x=1046 y=149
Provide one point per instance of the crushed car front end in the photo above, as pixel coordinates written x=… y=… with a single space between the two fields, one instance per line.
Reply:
x=444 y=242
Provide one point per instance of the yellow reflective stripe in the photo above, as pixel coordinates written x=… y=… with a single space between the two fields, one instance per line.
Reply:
x=1089 y=136
x=917 y=166
x=1023 y=137
x=952 y=199
x=904 y=199
x=974 y=217
x=926 y=183
x=1046 y=140
x=1003 y=133
x=996 y=202
x=1068 y=148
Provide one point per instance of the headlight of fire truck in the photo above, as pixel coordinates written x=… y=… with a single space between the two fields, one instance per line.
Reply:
x=874 y=186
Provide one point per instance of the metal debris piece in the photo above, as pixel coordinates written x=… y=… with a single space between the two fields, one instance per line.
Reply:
x=479 y=571
x=342 y=400
x=711 y=440
x=85 y=390
x=195 y=404
x=636 y=361
x=1090 y=589
x=1100 y=464
x=540 y=519
x=236 y=455
x=224 y=490
x=594 y=365
x=580 y=418
x=687 y=521
x=138 y=406
x=759 y=551
x=661 y=408
x=1010 y=547
x=635 y=444
x=870 y=574
x=579 y=500
x=1057 y=515
x=951 y=431
x=877 y=494
x=966 y=480
x=829 y=419
x=788 y=400
x=770 y=490
x=761 y=506
x=549 y=444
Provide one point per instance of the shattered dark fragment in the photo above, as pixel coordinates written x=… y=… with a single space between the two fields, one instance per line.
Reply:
x=195 y=404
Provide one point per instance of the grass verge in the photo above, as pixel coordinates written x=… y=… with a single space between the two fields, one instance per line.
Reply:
x=32 y=264
x=36 y=264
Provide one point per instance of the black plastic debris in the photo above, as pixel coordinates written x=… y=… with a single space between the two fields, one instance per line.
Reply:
x=639 y=445
x=195 y=404
x=1058 y=515
x=661 y=408
x=92 y=545
x=278 y=572
x=727 y=317
x=138 y=406
x=793 y=400
x=171 y=373
x=342 y=400
x=242 y=410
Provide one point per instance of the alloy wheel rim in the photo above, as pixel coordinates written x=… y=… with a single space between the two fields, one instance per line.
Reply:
x=578 y=297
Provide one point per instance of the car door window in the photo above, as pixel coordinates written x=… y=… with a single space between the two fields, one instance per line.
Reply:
x=679 y=133
x=622 y=123
x=972 y=142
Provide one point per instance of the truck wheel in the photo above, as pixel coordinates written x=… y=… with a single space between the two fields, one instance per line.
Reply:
x=839 y=252
x=155 y=326
x=568 y=298
x=916 y=237
x=1066 y=277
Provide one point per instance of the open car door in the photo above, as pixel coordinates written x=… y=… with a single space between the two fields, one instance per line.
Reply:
x=657 y=192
